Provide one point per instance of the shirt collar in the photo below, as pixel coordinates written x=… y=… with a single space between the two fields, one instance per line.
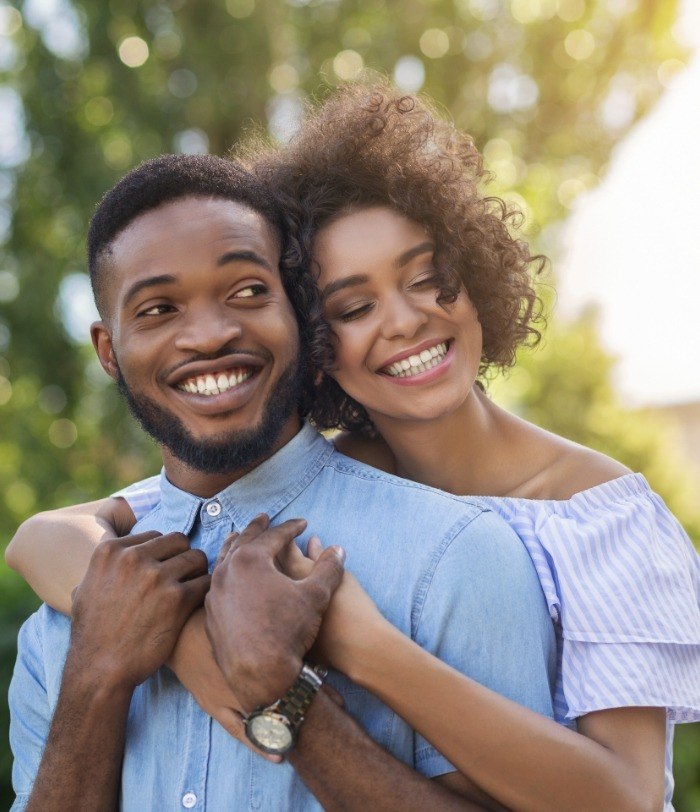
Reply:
x=269 y=488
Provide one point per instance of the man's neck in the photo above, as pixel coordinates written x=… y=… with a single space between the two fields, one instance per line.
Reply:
x=206 y=485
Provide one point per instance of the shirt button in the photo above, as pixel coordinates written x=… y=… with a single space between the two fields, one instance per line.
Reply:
x=189 y=799
x=213 y=508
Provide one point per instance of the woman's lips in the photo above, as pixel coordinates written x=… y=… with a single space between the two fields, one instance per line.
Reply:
x=418 y=376
x=418 y=361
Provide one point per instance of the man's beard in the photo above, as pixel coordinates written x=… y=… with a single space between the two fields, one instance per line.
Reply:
x=230 y=451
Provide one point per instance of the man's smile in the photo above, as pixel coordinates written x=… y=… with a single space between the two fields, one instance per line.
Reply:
x=216 y=382
x=231 y=376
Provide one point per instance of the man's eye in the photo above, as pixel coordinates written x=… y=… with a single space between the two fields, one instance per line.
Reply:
x=156 y=310
x=250 y=291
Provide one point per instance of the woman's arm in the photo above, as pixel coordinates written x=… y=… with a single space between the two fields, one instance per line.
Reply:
x=52 y=550
x=523 y=760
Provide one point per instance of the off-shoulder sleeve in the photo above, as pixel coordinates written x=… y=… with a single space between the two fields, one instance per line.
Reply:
x=622 y=581
x=142 y=496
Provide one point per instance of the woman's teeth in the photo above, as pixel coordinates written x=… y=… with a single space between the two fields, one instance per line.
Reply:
x=415 y=364
x=214 y=384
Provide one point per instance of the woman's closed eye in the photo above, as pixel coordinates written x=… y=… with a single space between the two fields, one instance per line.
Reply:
x=354 y=311
x=430 y=280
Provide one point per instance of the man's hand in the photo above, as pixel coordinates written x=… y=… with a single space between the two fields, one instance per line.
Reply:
x=260 y=622
x=130 y=607
x=193 y=662
x=127 y=613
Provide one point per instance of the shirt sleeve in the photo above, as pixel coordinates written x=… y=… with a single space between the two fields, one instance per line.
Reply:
x=628 y=583
x=30 y=714
x=483 y=613
x=142 y=496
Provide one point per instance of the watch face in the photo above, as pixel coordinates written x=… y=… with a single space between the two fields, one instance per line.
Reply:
x=270 y=732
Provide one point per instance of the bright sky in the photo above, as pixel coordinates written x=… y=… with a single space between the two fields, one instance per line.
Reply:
x=633 y=245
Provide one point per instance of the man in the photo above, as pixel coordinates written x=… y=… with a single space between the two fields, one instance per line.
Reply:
x=199 y=333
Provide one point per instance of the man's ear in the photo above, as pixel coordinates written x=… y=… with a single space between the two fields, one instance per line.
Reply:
x=102 y=342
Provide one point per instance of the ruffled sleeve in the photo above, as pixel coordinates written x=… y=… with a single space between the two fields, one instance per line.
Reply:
x=142 y=496
x=622 y=581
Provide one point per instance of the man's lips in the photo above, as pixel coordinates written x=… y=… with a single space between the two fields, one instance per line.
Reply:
x=215 y=367
x=216 y=382
x=220 y=383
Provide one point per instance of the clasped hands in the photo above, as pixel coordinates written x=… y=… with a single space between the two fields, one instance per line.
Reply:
x=264 y=606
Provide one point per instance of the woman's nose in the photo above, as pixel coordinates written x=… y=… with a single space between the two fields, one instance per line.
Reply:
x=402 y=317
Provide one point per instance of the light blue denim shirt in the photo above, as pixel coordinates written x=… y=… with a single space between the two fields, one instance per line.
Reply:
x=442 y=569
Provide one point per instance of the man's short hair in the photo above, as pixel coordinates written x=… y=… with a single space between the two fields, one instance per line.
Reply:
x=162 y=180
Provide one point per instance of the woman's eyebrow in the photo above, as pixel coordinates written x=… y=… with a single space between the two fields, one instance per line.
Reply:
x=407 y=256
x=345 y=282
x=360 y=279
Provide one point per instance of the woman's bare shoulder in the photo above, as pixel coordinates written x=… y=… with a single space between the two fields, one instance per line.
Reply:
x=575 y=468
x=371 y=451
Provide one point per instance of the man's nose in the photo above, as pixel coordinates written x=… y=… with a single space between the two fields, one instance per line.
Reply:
x=206 y=329
x=402 y=317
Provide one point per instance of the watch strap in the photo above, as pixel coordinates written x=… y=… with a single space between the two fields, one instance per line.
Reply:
x=296 y=701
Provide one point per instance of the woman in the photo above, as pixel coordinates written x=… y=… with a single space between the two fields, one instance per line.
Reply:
x=424 y=290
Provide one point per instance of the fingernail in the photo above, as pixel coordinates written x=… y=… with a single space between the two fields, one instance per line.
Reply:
x=340 y=552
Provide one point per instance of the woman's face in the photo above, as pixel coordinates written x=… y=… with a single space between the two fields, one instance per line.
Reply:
x=398 y=352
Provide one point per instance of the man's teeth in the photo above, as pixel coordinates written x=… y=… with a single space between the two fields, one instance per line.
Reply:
x=414 y=364
x=215 y=384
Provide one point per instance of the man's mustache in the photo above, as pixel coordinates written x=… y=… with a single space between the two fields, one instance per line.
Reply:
x=222 y=352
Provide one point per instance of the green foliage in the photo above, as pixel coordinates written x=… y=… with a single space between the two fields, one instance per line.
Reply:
x=545 y=86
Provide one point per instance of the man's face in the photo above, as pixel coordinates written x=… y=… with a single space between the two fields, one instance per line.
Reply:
x=200 y=335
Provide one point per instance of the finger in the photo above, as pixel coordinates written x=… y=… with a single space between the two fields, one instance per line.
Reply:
x=161 y=548
x=327 y=574
x=225 y=547
x=135 y=540
x=274 y=539
x=293 y=563
x=187 y=565
x=315 y=548
x=255 y=527
x=195 y=590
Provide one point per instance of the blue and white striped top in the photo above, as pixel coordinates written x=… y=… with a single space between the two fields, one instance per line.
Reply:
x=622 y=583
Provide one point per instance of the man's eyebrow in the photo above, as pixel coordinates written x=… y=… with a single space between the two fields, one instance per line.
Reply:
x=345 y=282
x=244 y=256
x=417 y=250
x=149 y=282
x=169 y=279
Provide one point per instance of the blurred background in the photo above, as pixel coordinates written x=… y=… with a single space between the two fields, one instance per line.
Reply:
x=587 y=112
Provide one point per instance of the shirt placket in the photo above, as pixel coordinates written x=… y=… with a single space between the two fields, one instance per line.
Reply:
x=193 y=784
x=213 y=525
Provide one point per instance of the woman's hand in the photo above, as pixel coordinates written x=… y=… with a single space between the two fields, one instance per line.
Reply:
x=193 y=663
x=351 y=622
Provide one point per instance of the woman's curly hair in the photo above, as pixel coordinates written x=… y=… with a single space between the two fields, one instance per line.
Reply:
x=369 y=146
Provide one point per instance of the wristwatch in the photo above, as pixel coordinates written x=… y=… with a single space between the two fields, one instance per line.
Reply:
x=273 y=729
